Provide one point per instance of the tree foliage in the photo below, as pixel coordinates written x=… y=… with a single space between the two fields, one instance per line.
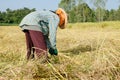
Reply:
x=81 y=12
x=77 y=10
x=14 y=16
x=68 y=5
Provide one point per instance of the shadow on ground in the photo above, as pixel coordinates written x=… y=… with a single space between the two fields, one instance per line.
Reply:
x=78 y=49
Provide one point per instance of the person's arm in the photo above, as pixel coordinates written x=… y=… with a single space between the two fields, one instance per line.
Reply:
x=52 y=51
x=53 y=23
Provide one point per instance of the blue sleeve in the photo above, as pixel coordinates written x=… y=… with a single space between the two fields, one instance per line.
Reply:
x=53 y=24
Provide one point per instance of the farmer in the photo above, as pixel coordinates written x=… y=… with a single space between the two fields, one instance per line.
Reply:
x=40 y=29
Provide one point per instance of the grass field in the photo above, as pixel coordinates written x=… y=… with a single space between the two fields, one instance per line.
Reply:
x=87 y=51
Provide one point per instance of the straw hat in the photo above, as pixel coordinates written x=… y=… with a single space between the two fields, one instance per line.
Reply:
x=63 y=17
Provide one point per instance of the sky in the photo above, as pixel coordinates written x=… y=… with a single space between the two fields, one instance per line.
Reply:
x=44 y=4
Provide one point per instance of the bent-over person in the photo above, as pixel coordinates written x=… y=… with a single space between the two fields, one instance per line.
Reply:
x=40 y=28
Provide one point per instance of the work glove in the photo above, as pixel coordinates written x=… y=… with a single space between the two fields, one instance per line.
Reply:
x=53 y=51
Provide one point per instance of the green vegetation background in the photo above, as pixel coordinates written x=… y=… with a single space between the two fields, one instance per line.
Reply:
x=77 y=10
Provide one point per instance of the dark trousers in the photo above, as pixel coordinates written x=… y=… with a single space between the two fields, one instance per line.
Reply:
x=35 y=42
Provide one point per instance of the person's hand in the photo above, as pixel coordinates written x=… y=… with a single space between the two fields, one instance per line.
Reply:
x=53 y=51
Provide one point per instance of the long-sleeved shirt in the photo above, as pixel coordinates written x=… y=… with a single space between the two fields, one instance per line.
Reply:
x=44 y=21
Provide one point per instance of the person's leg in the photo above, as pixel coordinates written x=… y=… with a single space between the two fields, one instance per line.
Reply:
x=39 y=43
x=29 y=44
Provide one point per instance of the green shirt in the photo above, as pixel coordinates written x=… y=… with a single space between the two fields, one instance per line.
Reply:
x=44 y=21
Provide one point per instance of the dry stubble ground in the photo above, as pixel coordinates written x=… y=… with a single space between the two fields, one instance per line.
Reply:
x=87 y=51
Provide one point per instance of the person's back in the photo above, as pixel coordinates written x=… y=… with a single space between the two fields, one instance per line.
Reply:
x=35 y=17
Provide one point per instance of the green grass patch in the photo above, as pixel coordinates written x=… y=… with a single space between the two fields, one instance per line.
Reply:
x=7 y=24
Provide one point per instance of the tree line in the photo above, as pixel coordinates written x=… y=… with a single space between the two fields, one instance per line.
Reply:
x=14 y=16
x=83 y=13
x=77 y=10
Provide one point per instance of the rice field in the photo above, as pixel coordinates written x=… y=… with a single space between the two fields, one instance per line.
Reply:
x=87 y=51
